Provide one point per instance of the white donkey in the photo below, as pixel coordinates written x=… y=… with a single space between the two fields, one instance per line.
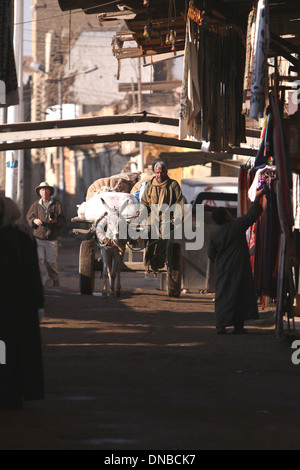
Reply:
x=113 y=249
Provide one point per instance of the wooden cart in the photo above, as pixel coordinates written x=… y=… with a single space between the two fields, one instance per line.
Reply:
x=89 y=263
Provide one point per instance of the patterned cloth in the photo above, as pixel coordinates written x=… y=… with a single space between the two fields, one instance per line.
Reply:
x=259 y=82
x=249 y=61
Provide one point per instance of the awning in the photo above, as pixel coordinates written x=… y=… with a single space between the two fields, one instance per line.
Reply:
x=163 y=16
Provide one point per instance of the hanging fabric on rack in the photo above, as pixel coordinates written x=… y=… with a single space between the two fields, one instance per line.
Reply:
x=296 y=200
x=249 y=60
x=259 y=80
x=263 y=236
x=288 y=256
x=190 y=104
x=243 y=187
x=8 y=72
x=211 y=97
x=282 y=160
x=267 y=244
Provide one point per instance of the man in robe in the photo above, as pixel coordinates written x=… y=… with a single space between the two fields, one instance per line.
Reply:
x=161 y=190
x=235 y=296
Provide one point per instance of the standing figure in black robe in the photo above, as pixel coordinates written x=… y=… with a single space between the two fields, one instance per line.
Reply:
x=21 y=297
x=235 y=296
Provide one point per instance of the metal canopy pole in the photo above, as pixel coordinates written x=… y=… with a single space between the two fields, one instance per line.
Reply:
x=61 y=149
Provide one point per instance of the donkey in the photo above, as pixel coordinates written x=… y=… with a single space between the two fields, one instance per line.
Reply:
x=113 y=249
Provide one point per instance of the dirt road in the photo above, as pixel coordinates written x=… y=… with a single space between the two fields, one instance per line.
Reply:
x=146 y=372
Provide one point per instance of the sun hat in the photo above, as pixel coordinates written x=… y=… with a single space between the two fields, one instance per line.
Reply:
x=42 y=185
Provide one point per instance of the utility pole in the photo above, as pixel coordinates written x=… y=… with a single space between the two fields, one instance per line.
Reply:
x=19 y=57
x=15 y=160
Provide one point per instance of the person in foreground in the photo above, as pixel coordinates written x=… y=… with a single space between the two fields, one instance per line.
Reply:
x=235 y=296
x=46 y=218
x=21 y=298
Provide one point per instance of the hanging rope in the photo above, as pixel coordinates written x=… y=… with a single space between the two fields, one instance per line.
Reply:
x=172 y=12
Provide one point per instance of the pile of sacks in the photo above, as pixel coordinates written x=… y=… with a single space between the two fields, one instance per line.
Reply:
x=124 y=189
x=121 y=183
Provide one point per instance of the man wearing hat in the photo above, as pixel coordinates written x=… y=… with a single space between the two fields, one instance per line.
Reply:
x=46 y=218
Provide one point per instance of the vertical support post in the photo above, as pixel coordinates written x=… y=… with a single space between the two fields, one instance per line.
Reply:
x=61 y=149
x=14 y=187
x=141 y=157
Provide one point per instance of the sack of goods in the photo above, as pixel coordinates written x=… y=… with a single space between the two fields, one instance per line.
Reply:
x=95 y=207
x=121 y=183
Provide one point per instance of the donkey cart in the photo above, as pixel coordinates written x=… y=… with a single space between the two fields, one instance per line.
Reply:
x=89 y=262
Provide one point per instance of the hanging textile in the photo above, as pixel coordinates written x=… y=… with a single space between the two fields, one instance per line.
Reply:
x=267 y=244
x=287 y=255
x=211 y=98
x=263 y=237
x=282 y=160
x=8 y=73
x=259 y=80
x=249 y=60
x=296 y=200
x=242 y=203
x=190 y=105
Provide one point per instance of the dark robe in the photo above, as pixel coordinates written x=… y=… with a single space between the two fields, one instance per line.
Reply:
x=235 y=296
x=21 y=295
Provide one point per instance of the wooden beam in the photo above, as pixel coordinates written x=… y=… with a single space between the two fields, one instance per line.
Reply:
x=87 y=122
x=96 y=139
x=184 y=159
x=283 y=48
x=55 y=133
x=155 y=86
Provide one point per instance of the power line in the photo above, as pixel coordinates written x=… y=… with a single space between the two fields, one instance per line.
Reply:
x=73 y=12
x=47 y=18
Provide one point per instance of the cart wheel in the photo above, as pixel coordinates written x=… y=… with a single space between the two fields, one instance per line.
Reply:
x=174 y=270
x=86 y=267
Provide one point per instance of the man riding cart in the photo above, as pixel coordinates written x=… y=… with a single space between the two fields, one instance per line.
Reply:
x=161 y=190
x=161 y=197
